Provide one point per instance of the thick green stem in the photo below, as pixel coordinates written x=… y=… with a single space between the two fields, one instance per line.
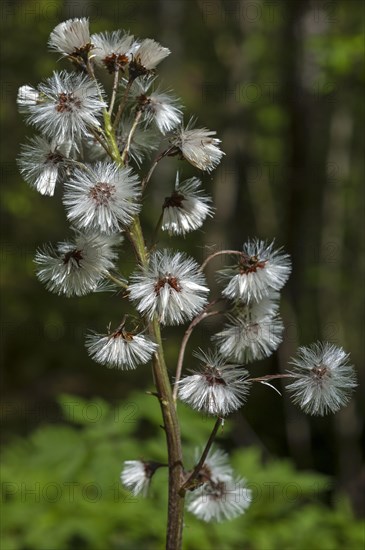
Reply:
x=110 y=134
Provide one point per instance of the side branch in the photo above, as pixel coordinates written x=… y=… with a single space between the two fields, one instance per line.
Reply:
x=124 y=156
x=114 y=92
x=219 y=253
x=122 y=104
x=190 y=482
x=203 y=315
x=269 y=377
x=154 y=164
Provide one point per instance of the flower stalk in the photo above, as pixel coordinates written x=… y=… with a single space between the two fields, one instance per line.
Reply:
x=191 y=480
x=171 y=425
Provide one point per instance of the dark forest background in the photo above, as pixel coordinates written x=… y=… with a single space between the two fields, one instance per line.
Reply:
x=282 y=83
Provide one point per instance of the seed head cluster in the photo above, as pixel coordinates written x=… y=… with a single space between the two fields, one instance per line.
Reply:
x=95 y=150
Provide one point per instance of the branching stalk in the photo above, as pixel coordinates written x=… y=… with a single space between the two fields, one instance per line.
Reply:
x=114 y=152
x=156 y=231
x=114 y=91
x=130 y=136
x=117 y=281
x=269 y=377
x=219 y=253
x=159 y=157
x=190 y=482
x=203 y=315
x=122 y=104
x=99 y=140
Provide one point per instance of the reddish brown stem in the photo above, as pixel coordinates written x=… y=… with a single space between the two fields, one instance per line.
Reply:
x=190 y=481
x=203 y=315
x=219 y=253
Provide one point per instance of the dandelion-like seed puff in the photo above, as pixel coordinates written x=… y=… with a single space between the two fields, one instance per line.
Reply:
x=102 y=198
x=43 y=163
x=186 y=208
x=323 y=379
x=67 y=106
x=259 y=271
x=198 y=146
x=112 y=50
x=122 y=349
x=77 y=267
x=171 y=287
x=71 y=38
x=146 y=56
x=216 y=389
x=253 y=332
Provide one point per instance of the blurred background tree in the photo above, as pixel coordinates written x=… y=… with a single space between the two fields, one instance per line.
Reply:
x=282 y=84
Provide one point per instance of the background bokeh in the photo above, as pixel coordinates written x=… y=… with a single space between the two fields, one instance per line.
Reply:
x=282 y=83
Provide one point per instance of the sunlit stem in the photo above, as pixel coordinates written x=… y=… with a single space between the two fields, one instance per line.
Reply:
x=135 y=235
x=114 y=91
x=137 y=118
x=122 y=104
x=156 y=231
x=190 y=482
x=180 y=361
x=99 y=139
x=117 y=281
x=81 y=165
x=91 y=73
x=219 y=253
x=109 y=134
x=114 y=152
x=269 y=377
x=159 y=157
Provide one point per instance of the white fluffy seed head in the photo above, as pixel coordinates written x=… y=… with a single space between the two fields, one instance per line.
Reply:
x=42 y=163
x=171 y=287
x=136 y=477
x=216 y=501
x=103 y=197
x=323 y=379
x=71 y=37
x=186 y=208
x=259 y=270
x=217 y=388
x=68 y=105
x=77 y=267
x=158 y=107
x=198 y=146
x=253 y=333
x=219 y=495
x=149 y=53
x=121 y=349
x=112 y=50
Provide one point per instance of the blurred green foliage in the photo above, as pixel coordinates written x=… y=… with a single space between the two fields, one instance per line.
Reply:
x=61 y=488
